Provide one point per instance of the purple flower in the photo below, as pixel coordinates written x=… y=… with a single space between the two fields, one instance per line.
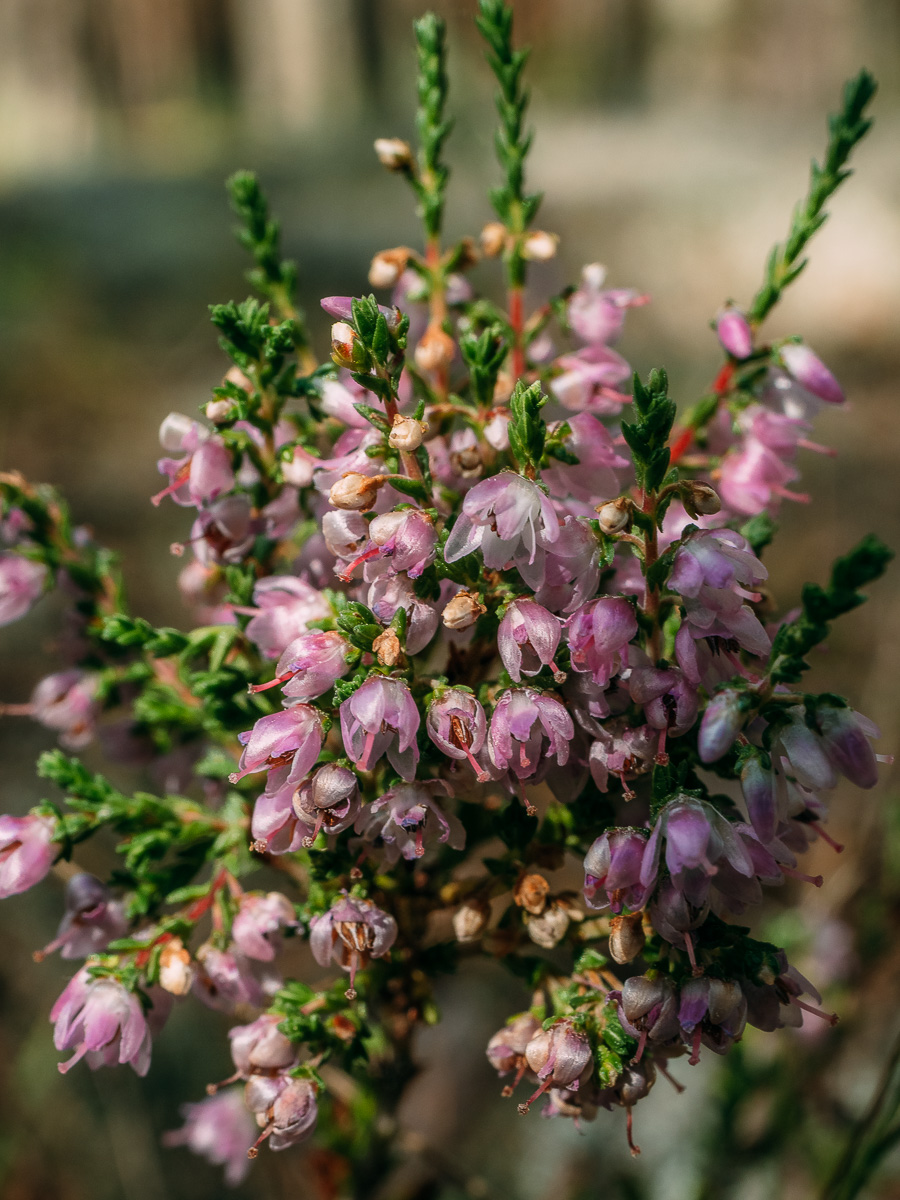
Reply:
x=622 y=750
x=506 y=1049
x=220 y=1129
x=648 y=1010
x=21 y=584
x=668 y=698
x=100 y=1018
x=228 y=979
x=341 y=308
x=381 y=717
x=276 y=826
x=352 y=932
x=286 y=1108
x=526 y=729
x=388 y=594
x=407 y=817
x=572 y=571
x=510 y=520
x=67 y=701
x=759 y=787
x=597 y=634
x=613 y=865
x=597 y=314
x=205 y=470
x=527 y=640
x=405 y=540
x=256 y=929
x=558 y=1056
x=456 y=723
x=697 y=838
x=594 y=475
x=293 y=736
x=590 y=380
x=722 y=721
x=284 y=607
x=811 y=373
x=712 y=1011
x=711 y=571
x=261 y=1047
x=734 y=332
x=845 y=737
x=224 y=532
x=803 y=752
x=328 y=800
x=310 y=665
x=26 y=852
x=91 y=921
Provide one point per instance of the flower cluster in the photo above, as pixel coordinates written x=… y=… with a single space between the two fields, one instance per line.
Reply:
x=428 y=619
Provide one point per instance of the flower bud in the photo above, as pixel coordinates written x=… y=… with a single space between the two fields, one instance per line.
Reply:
x=626 y=937
x=355 y=492
x=530 y=893
x=218 y=411
x=559 y=1054
x=394 y=153
x=539 y=246
x=811 y=373
x=388 y=266
x=699 y=498
x=344 y=340
x=734 y=332
x=407 y=433
x=435 y=350
x=387 y=649
x=176 y=974
x=493 y=239
x=332 y=784
x=615 y=515
x=462 y=611
x=471 y=919
x=549 y=929
x=720 y=725
x=758 y=787
x=467 y=462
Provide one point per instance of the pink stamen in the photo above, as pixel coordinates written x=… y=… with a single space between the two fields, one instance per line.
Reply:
x=642 y=1045
x=800 y=497
x=180 y=478
x=635 y=1150
x=679 y=1087
x=420 y=848
x=815 y=880
x=695 y=1047
x=827 y=838
x=817 y=447
x=276 y=682
x=254 y=1149
x=511 y=1087
x=662 y=759
x=347 y=572
x=80 y=1052
x=523 y=1108
x=689 y=945
x=212 y=1088
x=831 y=1018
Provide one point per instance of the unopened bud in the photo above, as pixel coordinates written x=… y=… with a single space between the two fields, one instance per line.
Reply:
x=407 y=433
x=343 y=342
x=462 y=611
x=700 y=499
x=354 y=491
x=394 y=153
x=540 y=246
x=467 y=462
x=387 y=649
x=493 y=239
x=465 y=255
x=549 y=929
x=218 y=411
x=626 y=937
x=734 y=333
x=388 y=266
x=176 y=974
x=530 y=893
x=435 y=350
x=471 y=919
x=614 y=515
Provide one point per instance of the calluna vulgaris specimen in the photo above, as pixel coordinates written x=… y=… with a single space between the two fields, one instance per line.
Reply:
x=437 y=631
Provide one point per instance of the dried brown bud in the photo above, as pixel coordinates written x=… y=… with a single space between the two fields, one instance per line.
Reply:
x=355 y=492
x=407 y=433
x=394 y=153
x=387 y=649
x=540 y=246
x=626 y=937
x=615 y=515
x=467 y=462
x=548 y=929
x=388 y=266
x=435 y=350
x=471 y=920
x=462 y=611
x=176 y=974
x=530 y=893
x=700 y=499
x=493 y=239
x=465 y=254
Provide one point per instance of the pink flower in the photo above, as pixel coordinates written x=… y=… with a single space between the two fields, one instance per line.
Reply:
x=811 y=373
x=711 y=571
x=734 y=333
x=256 y=929
x=456 y=723
x=26 y=852
x=597 y=315
x=527 y=639
x=380 y=718
x=571 y=570
x=328 y=800
x=352 y=932
x=590 y=379
x=284 y=607
x=100 y=1018
x=310 y=665
x=276 y=825
x=227 y=980
x=224 y=532
x=388 y=594
x=598 y=634
x=526 y=729
x=205 y=471
x=21 y=584
x=285 y=1107
x=407 y=817
x=66 y=701
x=293 y=736
x=404 y=540
x=91 y=921
x=613 y=865
x=220 y=1129
x=261 y=1046
x=594 y=477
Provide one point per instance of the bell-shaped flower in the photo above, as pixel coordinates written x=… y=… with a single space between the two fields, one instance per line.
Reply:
x=527 y=728
x=845 y=736
x=712 y=1012
x=571 y=568
x=712 y=570
x=261 y=1047
x=722 y=721
x=227 y=980
x=527 y=639
x=558 y=1056
x=407 y=818
x=100 y=1018
x=597 y=634
x=67 y=701
x=697 y=837
x=21 y=584
x=204 y=473
x=388 y=594
x=456 y=723
x=328 y=800
x=811 y=373
x=310 y=665
x=381 y=717
x=288 y=1113
x=506 y=1049
x=590 y=381
x=802 y=752
x=623 y=750
x=277 y=826
x=257 y=925
x=219 y=1128
x=403 y=540
x=613 y=866
x=510 y=520
x=293 y=736
x=352 y=932
x=648 y=1010
x=284 y=606
x=224 y=532
x=734 y=333
x=593 y=477
x=27 y=852
x=597 y=314
x=91 y=921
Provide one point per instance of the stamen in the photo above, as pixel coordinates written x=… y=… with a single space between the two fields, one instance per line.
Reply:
x=523 y=1108
x=511 y=1087
x=815 y=880
x=831 y=1018
x=276 y=682
x=363 y=763
x=816 y=826
x=661 y=759
x=254 y=1149
x=679 y=1087
x=695 y=1047
x=347 y=572
x=212 y=1088
x=180 y=477
x=642 y=1046
x=635 y=1150
x=692 y=958
x=817 y=447
x=800 y=497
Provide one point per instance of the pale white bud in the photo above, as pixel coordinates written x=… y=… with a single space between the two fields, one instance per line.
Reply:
x=387 y=266
x=493 y=239
x=176 y=973
x=548 y=929
x=355 y=492
x=614 y=515
x=407 y=433
x=593 y=276
x=435 y=350
x=540 y=246
x=700 y=499
x=471 y=919
x=394 y=153
x=462 y=611
x=218 y=410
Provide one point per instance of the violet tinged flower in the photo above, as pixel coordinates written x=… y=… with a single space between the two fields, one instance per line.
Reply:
x=648 y=1010
x=590 y=381
x=775 y=1003
x=341 y=308
x=91 y=921
x=407 y=818
x=227 y=980
x=527 y=728
x=352 y=932
x=403 y=540
x=220 y=1129
x=346 y=534
x=100 y=1018
x=845 y=737
x=571 y=568
x=510 y=520
x=597 y=315
x=289 y=1118
x=284 y=605
x=712 y=570
x=388 y=594
x=506 y=1049
x=328 y=800
x=27 y=852
x=279 y=517
x=310 y=665
x=675 y=918
x=811 y=373
x=381 y=717
x=597 y=634
x=527 y=640
x=697 y=838
x=205 y=470
x=669 y=699
x=261 y=1047
x=722 y=721
x=594 y=475
x=21 y=584
x=293 y=736
x=624 y=751
x=558 y=1056
x=224 y=532
x=712 y=1012
x=734 y=332
x=456 y=723
x=276 y=826
x=66 y=701
x=613 y=866
x=760 y=791
x=256 y=929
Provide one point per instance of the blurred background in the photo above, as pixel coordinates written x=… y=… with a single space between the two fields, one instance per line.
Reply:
x=672 y=139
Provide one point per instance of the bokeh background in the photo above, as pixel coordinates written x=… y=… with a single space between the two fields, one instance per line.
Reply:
x=672 y=138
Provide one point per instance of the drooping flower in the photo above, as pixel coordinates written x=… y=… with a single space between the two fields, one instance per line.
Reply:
x=527 y=728
x=227 y=979
x=712 y=570
x=734 y=333
x=219 y=1128
x=286 y=1108
x=26 y=852
x=204 y=473
x=67 y=701
x=594 y=475
x=527 y=639
x=597 y=634
x=293 y=736
x=811 y=373
x=407 y=818
x=352 y=932
x=328 y=800
x=697 y=838
x=99 y=1018
x=557 y=1056
x=613 y=866
x=261 y=1047
x=256 y=929
x=456 y=723
x=92 y=919
x=21 y=584
x=310 y=665
x=388 y=594
x=380 y=718
x=403 y=540
x=284 y=607
x=224 y=532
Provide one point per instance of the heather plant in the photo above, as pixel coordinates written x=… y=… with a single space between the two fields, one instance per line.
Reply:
x=476 y=610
